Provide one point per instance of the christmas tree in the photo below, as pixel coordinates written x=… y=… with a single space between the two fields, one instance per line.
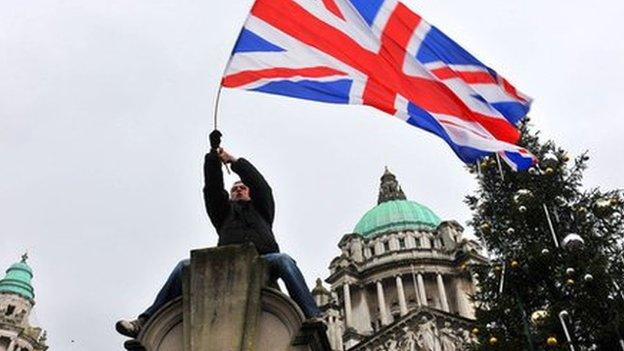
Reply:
x=556 y=249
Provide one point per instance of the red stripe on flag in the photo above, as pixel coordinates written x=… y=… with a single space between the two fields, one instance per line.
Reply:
x=246 y=77
x=333 y=8
x=384 y=70
x=394 y=39
x=511 y=90
x=468 y=77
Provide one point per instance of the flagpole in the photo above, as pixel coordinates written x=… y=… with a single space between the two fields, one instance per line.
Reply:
x=216 y=115
x=216 y=106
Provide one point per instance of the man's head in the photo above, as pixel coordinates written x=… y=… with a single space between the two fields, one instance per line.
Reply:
x=239 y=192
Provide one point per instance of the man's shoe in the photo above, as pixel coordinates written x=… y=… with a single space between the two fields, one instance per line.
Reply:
x=130 y=329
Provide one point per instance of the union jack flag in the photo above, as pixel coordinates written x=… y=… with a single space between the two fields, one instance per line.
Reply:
x=380 y=53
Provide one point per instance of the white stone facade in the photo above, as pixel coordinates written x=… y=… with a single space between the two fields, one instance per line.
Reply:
x=16 y=333
x=401 y=291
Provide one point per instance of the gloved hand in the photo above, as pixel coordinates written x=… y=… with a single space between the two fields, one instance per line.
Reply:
x=215 y=139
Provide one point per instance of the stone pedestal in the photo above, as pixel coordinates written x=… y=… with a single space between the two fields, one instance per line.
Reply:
x=227 y=306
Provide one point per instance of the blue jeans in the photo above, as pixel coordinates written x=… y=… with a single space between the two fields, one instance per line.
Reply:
x=280 y=266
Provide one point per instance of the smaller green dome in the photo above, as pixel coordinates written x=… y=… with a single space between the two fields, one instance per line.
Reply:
x=396 y=215
x=17 y=280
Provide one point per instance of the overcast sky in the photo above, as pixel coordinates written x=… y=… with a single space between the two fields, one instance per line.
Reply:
x=105 y=107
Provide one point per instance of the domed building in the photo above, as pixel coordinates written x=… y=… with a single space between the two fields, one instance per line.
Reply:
x=17 y=298
x=401 y=281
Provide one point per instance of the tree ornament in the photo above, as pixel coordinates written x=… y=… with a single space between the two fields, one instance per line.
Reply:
x=522 y=209
x=570 y=271
x=551 y=341
x=581 y=211
x=485 y=227
x=523 y=196
x=533 y=171
x=573 y=242
x=539 y=317
x=549 y=171
x=549 y=160
x=475 y=331
x=588 y=278
x=545 y=252
x=493 y=341
x=570 y=282
x=563 y=315
x=515 y=264
x=510 y=231
x=550 y=226
x=566 y=157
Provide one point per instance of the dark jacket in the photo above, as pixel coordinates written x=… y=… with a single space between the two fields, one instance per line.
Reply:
x=240 y=222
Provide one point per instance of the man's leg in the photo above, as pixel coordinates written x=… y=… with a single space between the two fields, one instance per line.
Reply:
x=169 y=291
x=283 y=266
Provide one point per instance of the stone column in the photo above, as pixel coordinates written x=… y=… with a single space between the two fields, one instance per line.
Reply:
x=222 y=303
x=442 y=293
x=463 y=300
x=347 y=304
x=421 y=289
x=360 y=311
x=381 y=301
x=11 y=346
x=401 y=293
x=424 y=241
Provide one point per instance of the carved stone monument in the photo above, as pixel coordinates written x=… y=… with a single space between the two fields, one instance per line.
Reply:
x=228 y=305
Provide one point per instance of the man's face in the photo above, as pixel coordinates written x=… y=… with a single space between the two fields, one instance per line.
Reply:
x=239 y=192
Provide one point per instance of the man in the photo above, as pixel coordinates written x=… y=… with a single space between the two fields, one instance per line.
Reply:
x=246 y=215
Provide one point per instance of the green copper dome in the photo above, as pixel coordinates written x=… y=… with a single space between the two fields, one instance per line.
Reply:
x=394 y=212
x=397 y=215
x=17 y=280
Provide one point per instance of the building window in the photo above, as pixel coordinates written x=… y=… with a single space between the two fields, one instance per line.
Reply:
x=402 y=243
x=386 y=246
x=4 y=343
x=432 y=242
x=9 y=311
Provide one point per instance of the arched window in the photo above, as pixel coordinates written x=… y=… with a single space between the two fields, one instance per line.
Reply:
x=9 y=311
x=401 y=243
x=4 y=343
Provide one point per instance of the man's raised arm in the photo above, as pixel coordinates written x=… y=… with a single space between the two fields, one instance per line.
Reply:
x=215 y=196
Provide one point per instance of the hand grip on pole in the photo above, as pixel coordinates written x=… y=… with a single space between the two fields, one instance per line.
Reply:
x=215 y=144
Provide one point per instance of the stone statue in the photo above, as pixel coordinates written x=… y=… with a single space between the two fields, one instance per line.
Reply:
x=446 y=339
x=392 y=345
x=408 y=342
x=428 y=339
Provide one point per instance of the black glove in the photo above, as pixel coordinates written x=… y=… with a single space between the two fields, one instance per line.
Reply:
x=215 y=139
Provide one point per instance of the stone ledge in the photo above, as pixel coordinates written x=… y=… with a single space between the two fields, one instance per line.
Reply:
x=228 y=304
